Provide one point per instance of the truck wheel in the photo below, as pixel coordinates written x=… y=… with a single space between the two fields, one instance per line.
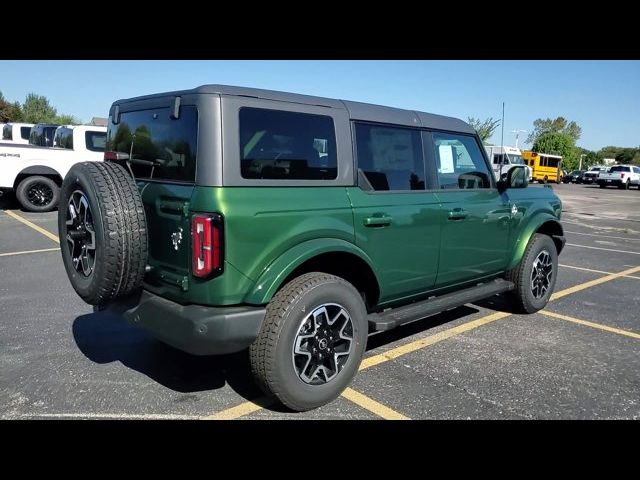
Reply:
x=38 y=194
x=626 y=185
x=535 y=275
x=103 y=231
x=311 y=342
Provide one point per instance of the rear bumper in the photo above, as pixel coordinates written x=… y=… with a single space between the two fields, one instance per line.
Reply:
x=194 y=329
x=617 y=183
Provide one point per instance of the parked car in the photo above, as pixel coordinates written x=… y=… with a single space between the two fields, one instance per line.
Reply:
x=573 y=177
x=216 y=224
x=591 y=175
x=16 y=133
x=35 y=173
x=621 y=176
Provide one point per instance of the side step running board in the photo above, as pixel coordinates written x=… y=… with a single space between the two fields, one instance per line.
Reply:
x=398 y=316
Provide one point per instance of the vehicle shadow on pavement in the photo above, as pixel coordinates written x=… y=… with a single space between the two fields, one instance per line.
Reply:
x=104 y=337
x=8 y=202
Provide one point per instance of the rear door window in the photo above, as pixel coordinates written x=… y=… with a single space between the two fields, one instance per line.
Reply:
x=24 y=132
x=281 y=145
x=390 y=157
x=160 y=147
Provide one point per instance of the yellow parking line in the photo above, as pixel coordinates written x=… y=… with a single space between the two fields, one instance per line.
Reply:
x=591 y=324
x=250 y=407
x=595 y=271
x=29 y=251
x=239 y=411
x=41 y=230
x=371 y=405
x=593 y=283
x=430 y=340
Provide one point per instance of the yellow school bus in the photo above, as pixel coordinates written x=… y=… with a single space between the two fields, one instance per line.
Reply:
x=545 y=167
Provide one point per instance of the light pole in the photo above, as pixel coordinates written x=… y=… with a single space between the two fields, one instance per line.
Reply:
x=581 y=156
x=518 y=132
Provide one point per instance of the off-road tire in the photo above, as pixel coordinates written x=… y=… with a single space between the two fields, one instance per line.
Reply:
x=22 y=193
x=271 y=353
x=120 y=229
x=522 y=297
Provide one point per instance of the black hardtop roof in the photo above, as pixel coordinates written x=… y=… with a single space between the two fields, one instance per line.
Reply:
x=357 y=110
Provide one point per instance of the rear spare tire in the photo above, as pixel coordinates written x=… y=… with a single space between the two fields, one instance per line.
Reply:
x=103 y=231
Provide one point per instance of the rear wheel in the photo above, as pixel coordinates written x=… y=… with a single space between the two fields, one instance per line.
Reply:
x=38 y=194
x=311 y=342
x=535 y=275
x=103 y=232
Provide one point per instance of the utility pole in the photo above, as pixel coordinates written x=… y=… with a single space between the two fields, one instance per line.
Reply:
x=581 y=156
x=518 y=132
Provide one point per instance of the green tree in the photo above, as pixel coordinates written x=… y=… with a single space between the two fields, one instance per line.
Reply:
x=626 y=155
x=590 y=158
x=36 y=109
x=556 y=143
x=484 y=128
x=9 y=112
x=543 y=126
x=67 y=120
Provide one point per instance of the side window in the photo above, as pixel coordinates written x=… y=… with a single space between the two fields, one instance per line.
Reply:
x=390 y=158
x=496 y=159
x=7 y=132
x=459 y=162
x=281 y=145
x=636 y=169
x=95 y=141
x=24 y=132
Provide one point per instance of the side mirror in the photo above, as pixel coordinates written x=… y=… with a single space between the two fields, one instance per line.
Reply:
x=516 y=177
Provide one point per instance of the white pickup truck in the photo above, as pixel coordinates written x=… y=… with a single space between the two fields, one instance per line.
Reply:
x=36 y=173
x=16 y=133
x=622 y=176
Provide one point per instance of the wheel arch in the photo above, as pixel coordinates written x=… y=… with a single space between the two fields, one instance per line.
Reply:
x=328 y=255
x=41 y=170
x=545 y=224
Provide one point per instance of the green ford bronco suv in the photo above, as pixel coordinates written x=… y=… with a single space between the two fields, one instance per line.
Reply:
x=224 y=218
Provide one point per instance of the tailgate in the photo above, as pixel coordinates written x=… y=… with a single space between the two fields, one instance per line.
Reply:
x=169 y=236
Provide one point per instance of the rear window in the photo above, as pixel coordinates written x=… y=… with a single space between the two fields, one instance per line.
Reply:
x=95 y=141
x=619 y=169
x=7 y=133
x=160 y=147
x=281 y=145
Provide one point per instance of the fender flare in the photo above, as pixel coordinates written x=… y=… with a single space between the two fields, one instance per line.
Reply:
x=275 y=274
x=527 y=232
x=36 y=170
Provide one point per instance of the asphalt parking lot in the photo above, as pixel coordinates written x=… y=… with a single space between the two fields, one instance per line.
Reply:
x=577 y=359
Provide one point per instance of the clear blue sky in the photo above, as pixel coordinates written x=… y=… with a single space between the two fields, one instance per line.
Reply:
x=602 y=96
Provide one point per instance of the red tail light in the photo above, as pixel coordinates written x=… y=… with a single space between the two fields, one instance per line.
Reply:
x=622 y=176
x=206 y=232
x=111 y=156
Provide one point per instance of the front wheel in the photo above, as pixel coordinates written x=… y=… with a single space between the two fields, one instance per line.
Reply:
x=38 y=194
x=311 y=342
x=535 y=275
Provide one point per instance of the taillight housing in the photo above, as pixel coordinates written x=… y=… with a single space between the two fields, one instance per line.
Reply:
x=114 y=156
x=207 y=235
x=622 y=176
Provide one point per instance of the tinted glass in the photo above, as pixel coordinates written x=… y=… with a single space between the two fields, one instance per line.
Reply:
x=63 y=138
x=282 y=145
x=553 y=162
x=24 y=132
x=160 y=147
x=389 y=157
x=95 y=141
x=7 y=133
x=459 y=162
x=619 y=169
